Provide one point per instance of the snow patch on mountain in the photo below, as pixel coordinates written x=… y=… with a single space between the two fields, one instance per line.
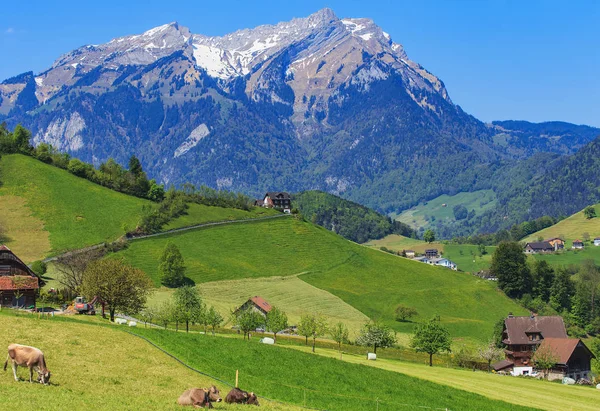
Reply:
x=193 y=139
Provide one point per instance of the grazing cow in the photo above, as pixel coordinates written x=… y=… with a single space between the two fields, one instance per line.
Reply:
x=200 y=397
x=30 y=357
x=237 y=396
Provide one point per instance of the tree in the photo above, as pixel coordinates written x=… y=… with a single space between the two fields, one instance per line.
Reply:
x=404 y=313
x=376 y=335
x=589 y=275
x=586 y=236
x=248 y=320
x=580 y=307
x=543 y=276
x=429 y=236
x=276 y=321
x=122 y=287
x=509 y=265
x=213 y=318
x=545 y=359
x=135 y=167
x=562 y=290
x=189 y=304
x=589 y=212
x=164 y=314
x=431 y=337
x=319 y=330
x=171 y=267
x=147 y=315
x=72 y=267
x=490 y=353
x=156 y=192
x=21 y=138
x=339 y=334
x=460 y=212
x=306 y=326
x=497 y=333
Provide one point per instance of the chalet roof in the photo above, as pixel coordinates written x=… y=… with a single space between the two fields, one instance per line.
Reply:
x=261 y=303
x=577 y=242
x=549 y=326
x=281 y=195
x=597 y=238
x=562 y=348
x=541 y=245
x=7 y=257
x=554 y=238
x=18 y=282
x=502 y=365
x=431 y=250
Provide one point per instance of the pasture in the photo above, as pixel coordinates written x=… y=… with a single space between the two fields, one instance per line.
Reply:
x=90 y=371
x=571 y=228
x=200 y=214
x=290 y=294
x=420 y=215
x=398 y=243
x=519 y=391
x=306 y=379
x=70 y=212
x=371 y=281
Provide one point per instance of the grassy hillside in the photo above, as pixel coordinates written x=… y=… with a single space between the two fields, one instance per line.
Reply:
x=310 y=380
x=571 y=228
x=420 y=216
x=371 y=281
x=520 y=391
x=398 y=243
x=199 y=214
x=91 y=372
x=69 y=211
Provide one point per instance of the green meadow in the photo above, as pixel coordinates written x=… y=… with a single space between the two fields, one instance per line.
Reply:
x=571 y=228
x=371 y=281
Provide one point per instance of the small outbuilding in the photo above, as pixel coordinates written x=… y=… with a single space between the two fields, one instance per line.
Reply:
x=597 y=241
x=19 y=285
x=409 y=253
x=257 y=304
x=539 y=247
x=573 y=358
x=577 y=245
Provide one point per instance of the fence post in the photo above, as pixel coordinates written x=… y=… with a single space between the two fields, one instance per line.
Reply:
x=237 y=375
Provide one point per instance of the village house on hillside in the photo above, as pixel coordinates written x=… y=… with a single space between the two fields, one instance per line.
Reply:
x=439 y=261
x=257 y=304
x=524 y=336
x=539 y=247
x=278 y=200
x=577 y=245
x=597 y=241
x=19 y=286
x=432 y=253
x=557 y=243
x=409 y=253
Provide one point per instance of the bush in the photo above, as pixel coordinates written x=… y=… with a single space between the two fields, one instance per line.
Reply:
x=39 y=267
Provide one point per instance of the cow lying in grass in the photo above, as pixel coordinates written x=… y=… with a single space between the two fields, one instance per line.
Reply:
x=237 y=396
x=200 y=397
x=30 y=357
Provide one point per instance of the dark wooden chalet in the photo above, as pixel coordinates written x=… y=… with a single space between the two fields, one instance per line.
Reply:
x=431 y=253
x=573 y=358
x=279 y=200
x=19 y=286
x=540 y=247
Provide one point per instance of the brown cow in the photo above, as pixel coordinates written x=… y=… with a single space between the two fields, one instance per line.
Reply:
x=200 y=397
x=237 y=396
x=30 y=357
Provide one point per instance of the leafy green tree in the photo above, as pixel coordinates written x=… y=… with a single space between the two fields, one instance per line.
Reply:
x=156 y=191
x=431 y=337
x=135 y=167
x=581 y=307
x=429 y=236
x=77 y=167
x=276 y=321
x=306 y=326
x=339 y=334
x=213 y=318
x=21 y=137
x=164 y=313
x=589 y=212
x=589 y=275
x=404 y=313
x=545 y=359
x=490 y=353
x=562 y=290
x=171 y=267
x=509 y=265
x=497 y=333
x=122 y=287
x=147 y=315
x=460 y=212
x=319 y=330
x=543 y=277
x=248 y=320
x=189 y=305
x=376 y=335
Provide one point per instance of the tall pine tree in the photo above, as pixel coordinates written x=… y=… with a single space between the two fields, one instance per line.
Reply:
x=509 y=265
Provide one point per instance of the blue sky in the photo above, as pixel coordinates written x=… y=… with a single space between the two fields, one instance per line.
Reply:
x=500 y=59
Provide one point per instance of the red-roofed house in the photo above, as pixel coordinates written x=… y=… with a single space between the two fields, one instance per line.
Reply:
x=19 y=285
x=573 y=358
x=258 y=304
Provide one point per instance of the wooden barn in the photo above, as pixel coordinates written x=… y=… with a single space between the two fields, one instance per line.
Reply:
x=19 y=286
x=257 y=304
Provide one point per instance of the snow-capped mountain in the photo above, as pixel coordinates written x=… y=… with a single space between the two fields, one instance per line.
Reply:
x=316 y=102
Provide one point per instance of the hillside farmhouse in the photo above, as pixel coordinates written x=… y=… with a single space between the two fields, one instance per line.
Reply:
x=19 y=286
x=524 y=336
x=432 y=253
x=557 y=243
x=442 y=262
x=278 y=200
x=577 y=245
x=540 y=247
x=597 y=241
x=409 y=253
x=257 y=304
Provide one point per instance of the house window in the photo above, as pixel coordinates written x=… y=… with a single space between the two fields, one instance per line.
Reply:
x=526 y=372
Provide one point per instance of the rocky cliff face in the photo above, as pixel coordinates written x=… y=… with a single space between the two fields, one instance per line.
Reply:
x=317 y=102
